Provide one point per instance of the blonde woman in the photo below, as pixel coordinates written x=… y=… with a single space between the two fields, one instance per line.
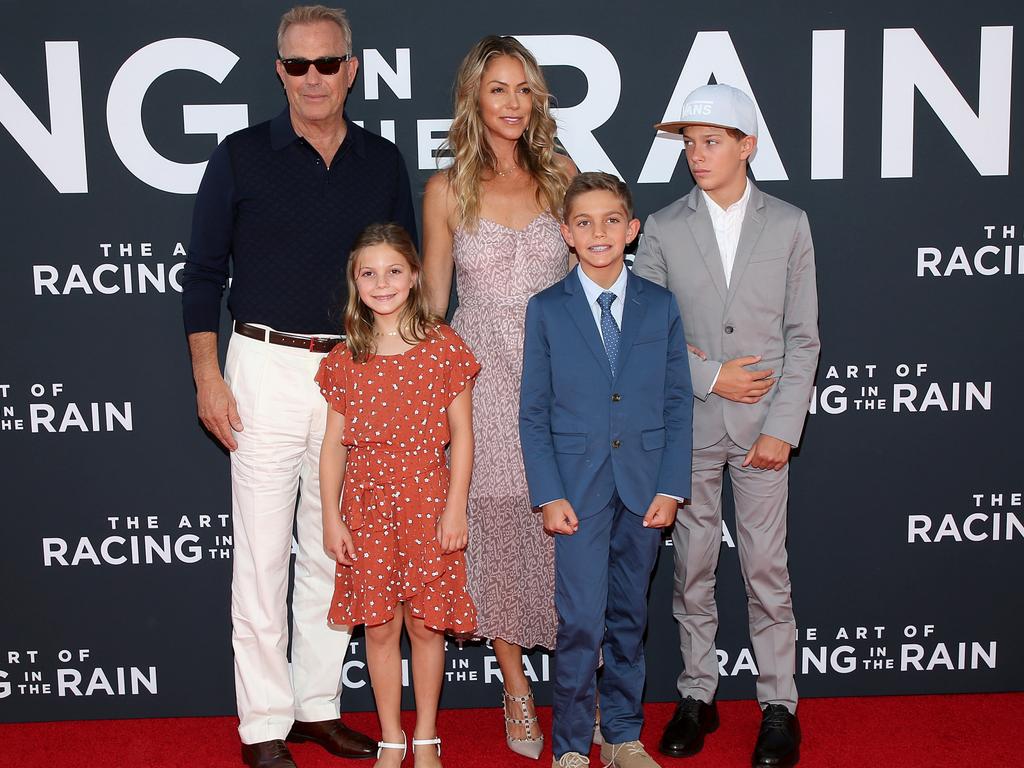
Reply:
x=492 y=218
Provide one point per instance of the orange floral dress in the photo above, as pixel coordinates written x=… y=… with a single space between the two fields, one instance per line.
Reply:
x=396 y=482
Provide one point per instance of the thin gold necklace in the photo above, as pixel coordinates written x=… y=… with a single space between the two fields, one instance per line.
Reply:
x=505 y=173
x=386 y=333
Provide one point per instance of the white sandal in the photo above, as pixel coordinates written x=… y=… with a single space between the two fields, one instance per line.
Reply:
x=425 y=742
x=382 y=745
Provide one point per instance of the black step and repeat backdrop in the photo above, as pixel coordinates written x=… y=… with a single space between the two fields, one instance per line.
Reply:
x=897 y=127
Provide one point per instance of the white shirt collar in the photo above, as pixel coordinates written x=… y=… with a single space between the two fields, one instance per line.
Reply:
x=740 y=206
x=593 y=290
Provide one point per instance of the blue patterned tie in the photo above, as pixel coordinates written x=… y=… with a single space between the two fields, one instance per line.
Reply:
x=609 y=329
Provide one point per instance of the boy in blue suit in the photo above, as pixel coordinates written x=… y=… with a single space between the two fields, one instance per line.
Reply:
x=605 y=421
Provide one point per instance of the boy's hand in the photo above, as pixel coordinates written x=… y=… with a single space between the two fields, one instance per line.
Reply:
x=452 y=530
x=559 y=517
x=768 y=453
x=338 y=543
x=736 y=383
x=661 y=513
x=696 y=351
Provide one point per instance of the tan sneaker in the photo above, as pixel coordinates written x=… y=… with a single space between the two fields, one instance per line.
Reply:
x=628 y=754
x=570 y=760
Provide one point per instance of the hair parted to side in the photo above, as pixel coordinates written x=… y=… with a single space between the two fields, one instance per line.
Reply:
x=537 y=148
x=597 y=181
x=415 y=321
x=311 y=14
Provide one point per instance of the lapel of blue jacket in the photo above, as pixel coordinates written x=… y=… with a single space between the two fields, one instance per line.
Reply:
x=633 y=310
x=579 y=310
x=753 y=225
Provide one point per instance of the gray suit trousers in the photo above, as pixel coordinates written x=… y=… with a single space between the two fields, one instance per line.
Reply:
x=761 y=497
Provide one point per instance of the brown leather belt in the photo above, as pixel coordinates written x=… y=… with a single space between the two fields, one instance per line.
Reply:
x=311 y=343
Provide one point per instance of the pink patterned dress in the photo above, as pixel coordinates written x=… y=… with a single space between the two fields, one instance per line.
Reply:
x=510 y=560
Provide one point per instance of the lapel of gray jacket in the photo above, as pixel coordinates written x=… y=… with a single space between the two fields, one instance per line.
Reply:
x=699 y=221
x=633 y=310
x=579 y=310
x=753 y=225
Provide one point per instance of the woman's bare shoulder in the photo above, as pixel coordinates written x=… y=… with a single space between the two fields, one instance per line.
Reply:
x=566 y=165
x=437 y=185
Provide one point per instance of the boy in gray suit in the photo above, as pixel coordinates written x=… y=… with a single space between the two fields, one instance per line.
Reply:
x=741 y=266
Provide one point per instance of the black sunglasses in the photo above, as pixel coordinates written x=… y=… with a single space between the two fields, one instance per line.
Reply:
x=325 y=65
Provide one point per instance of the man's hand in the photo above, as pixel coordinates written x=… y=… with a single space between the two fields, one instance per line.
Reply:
x=768 y=453
x=214 y=401
x=559 y=517
x=217 y=410
x=452 y=530
x=736 y=383
x=661 y=513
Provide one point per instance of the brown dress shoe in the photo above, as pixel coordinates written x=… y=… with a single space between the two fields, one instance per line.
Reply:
x=334 y=736
x=267 y=754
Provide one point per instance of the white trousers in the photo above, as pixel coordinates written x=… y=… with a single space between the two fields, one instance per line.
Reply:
x=283 y=419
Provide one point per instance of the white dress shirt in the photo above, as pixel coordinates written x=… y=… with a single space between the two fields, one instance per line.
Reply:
x=727 y=223
x=592 y=290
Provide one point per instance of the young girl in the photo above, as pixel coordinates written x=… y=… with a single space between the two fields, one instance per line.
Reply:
x=399 y=390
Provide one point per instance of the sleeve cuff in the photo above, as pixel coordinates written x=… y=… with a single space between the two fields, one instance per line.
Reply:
x=713 y=382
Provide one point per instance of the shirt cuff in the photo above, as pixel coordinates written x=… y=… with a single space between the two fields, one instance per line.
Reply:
x=714 y=381
x=541 y=506
x=680 y=499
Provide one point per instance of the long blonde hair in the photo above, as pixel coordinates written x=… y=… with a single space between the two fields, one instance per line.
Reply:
x=415 y=321
x=536 y=149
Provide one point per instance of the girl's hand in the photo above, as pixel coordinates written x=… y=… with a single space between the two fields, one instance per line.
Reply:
x=338 y=543
x=452 y=530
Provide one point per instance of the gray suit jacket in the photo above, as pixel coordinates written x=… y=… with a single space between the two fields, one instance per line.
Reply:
x=770 y=309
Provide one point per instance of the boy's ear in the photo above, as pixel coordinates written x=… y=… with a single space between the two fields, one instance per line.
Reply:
x=567 y=234
x=747 y=146
x=632 y=230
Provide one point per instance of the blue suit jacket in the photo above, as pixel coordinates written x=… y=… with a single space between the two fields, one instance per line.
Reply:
x=585 y=433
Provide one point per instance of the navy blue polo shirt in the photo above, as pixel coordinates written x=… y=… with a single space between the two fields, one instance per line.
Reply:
x=271 y=212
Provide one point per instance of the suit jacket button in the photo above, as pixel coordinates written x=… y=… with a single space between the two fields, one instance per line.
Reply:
x=616 y=397
x=728 y=329
x=616 y=443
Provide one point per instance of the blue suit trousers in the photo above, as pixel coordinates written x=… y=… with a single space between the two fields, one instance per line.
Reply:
x=602 y=575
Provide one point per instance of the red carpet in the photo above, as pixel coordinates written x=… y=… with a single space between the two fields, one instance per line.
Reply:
x=889 y=732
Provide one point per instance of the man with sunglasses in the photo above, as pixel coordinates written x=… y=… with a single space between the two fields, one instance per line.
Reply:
x=279 y=206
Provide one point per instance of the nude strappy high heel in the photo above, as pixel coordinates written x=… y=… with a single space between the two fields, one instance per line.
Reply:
x=528 y=746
